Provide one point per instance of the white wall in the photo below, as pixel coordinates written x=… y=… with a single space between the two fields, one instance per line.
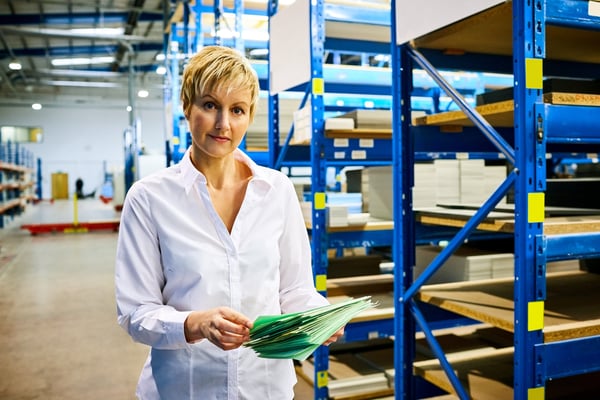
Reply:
x=82 y=140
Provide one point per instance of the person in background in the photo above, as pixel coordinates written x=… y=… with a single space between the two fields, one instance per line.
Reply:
x=208 y=245
x=79 y=190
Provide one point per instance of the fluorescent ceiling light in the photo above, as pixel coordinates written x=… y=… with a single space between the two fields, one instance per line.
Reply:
x=61 y=62
x=36 y=106
x=99 y=31
x=143 y=93
x=161 y=70
x=15 y=65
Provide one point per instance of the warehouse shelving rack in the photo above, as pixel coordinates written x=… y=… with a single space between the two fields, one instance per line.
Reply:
x=325 y=150
x=16 y=180
x=536 y=33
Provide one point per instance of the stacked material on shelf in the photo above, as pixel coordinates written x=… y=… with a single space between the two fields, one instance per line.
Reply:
x=470 y=263
x=426 y=183
x=377 y=191
x=447 y=174
x=466 y=264
x=370 y=118
x=343 y=209
x=456 y=181
x=581 y=90
x=471 y=178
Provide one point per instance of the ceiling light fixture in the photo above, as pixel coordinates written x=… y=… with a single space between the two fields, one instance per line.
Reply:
x=15 y=65
x=36 y=106
x=161 y=70
x=99 y=31
x=143 y=93
x=62 y=62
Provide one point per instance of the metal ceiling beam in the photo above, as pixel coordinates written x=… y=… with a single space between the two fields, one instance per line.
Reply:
x=73 y=35
x=63 y=51
x=79 y=18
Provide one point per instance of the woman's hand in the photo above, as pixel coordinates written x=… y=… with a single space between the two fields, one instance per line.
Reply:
x=222 y=326
x=335 y=337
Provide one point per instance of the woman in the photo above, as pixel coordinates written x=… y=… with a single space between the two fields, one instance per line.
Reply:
x=208 y=245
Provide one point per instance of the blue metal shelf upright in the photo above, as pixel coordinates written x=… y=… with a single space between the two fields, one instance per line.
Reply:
x=533 y=44
x=323 y=153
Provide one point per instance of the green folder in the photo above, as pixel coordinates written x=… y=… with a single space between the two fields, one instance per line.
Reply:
x=297 y=335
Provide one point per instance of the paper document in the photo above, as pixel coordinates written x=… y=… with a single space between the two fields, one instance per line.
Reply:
x=297 y=335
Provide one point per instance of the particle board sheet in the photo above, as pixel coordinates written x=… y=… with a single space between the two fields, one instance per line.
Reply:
x=501 y=114
x=359 y=133
x=380 y=287
x=571 y=309
x=488 y=375
x=364 y=371
x=373 y=224
x=498 y=221
x=490 y=32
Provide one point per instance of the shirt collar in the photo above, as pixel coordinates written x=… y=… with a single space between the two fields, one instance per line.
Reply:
x=190 y=175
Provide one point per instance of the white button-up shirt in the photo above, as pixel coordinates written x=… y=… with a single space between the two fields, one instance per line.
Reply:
x=175 y=255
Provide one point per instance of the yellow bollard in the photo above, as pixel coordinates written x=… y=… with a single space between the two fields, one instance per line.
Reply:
x=75 y=228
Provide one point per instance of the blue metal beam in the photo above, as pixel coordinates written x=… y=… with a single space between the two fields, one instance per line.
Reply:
x=569 y=357
x=573 y=13
x=572 y=246
x=572 y=124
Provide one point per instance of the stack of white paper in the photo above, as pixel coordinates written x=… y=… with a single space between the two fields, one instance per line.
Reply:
x=425 y=189
x=494 y=176
x=447 y=177
x=379 y=192
x=471 y=180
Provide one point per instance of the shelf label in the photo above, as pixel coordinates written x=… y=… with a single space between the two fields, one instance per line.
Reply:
x=322 y=379
x=366 y=143
x=535 y=312
x=321 y=283
x=318 y=86
x=319 y=201
x=534 y=76
x=359 y=155
x=594 y=8
x=535 y=207
x=537 y=393
x=339 y=155
x=341 y=143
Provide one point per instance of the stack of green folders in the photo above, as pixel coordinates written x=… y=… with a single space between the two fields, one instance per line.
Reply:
x=297 y=335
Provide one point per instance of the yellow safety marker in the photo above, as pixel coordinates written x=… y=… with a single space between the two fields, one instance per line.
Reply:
x=534 y=74
x=322 y=379
x=537 y=393
x=75 y=228
x=321 y=282
x=535 y=312
x=75 y=211
x=320 y=201
x=535 y=207
x=318 y=86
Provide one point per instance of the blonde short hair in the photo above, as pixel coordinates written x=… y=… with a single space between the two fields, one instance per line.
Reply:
x=216 y=67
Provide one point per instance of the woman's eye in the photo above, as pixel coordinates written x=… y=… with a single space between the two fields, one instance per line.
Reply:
x=209 y=105
x=238 y=111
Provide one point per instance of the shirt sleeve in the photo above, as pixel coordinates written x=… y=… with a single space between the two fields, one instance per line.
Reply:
x=297 y=290
x=139 y=279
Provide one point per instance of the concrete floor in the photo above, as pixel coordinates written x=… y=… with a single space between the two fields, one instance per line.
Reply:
x=59 y=339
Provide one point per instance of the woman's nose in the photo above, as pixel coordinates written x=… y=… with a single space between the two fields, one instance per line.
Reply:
x=222 y=120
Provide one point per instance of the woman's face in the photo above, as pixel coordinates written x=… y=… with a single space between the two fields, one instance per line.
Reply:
x=218 y=121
